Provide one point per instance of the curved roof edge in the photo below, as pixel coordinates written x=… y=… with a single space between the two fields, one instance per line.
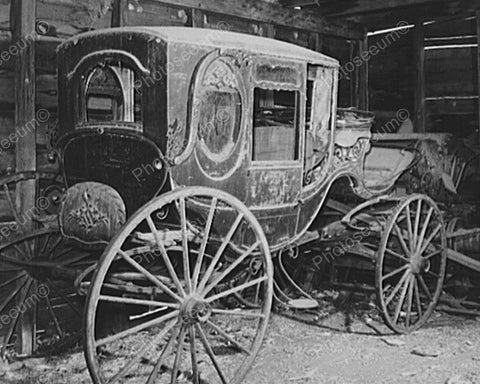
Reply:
x=222 y=39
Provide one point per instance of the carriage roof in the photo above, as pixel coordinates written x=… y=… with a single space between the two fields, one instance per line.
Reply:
x=220 y=39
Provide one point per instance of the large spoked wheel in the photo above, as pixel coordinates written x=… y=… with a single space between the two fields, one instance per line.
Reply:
x=171 y=269
x=411 y=264
x=37 y=273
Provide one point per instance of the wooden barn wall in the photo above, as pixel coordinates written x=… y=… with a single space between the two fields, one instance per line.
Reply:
x=390 y=75
x=59 y=19
x=450 y=73
x=451 y=77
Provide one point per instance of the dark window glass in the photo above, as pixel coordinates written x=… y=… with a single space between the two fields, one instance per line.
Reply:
x=111 y=95
x=275 y=133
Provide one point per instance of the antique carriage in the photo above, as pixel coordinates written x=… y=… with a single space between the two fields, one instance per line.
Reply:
x=189 y=158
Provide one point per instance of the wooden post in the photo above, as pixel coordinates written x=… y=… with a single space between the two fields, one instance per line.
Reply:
x=478 y=71
x=363 y=102
x=419 y=79
x=118 y=13
x=23 y=34
x=198 y=18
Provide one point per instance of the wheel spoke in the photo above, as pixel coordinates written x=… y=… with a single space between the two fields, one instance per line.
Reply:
x=51 y=250
x=409 y=226
x=239 y=313
x=234 y=265
x=208 y=349
x=235 y=289
x=158 y=365
x=228 y=337
x=136 y=329
x=193 y=355
x=417 y=299
x=396 y=271
x=13 y=324
x=12 y=294
x=397 y=255
x=401 y=240
x=409 y=301
x=54 y=317
x=12 y=280
x=402 y=299
x=425 y=287
x=397 y=287
x=424 y=230
x=417 y=221
x=178 y=357
x=429 y=256
x=150 y=277
x=430 y=239
x=11 y=204
x=125 y=300
x=165 y=257
x=220 y=251
x=203 y=247
x=64 y=297
x=186 y=260
x=138 y=356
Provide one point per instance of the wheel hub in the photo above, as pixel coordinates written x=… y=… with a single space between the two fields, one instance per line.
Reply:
x=419 y=265
x=195 y=310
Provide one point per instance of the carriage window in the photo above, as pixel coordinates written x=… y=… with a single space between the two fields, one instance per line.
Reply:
x=219 y=121
x=275 y=133
x=111 y=95
x=219 y=110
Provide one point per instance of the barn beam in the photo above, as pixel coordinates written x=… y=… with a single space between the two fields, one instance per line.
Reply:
x=363 y=7
x=419 y=76
x=266 y=12
x=24 y=36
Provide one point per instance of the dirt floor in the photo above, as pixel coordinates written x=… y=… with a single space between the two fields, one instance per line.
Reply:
x=446 y=350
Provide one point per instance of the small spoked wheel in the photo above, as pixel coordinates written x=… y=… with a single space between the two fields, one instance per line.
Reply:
x=411 y=264
x=176 y=275
x=37 y=271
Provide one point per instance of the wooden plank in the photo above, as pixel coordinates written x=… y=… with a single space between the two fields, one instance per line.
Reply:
x=274 y=13
x=459 y=27
x=45 y=55
x=464 y=260
x=153 y=13
x=360 y=7
x=197 y=18
x=46 y=90
x=232 y=24
x=5 y=15
x=419 y=79
x=23 y=22
x=294 y=36
x=119 y=8
x=478 y=72
x=451 y=106
x=68 y=18
x=362 y=97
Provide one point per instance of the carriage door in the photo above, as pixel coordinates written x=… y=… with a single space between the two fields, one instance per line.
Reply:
x=276 y=166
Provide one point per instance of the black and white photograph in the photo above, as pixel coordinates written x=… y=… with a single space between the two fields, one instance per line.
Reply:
x=239 y=192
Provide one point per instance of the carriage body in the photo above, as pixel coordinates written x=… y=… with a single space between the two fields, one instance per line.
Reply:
x=147 y=110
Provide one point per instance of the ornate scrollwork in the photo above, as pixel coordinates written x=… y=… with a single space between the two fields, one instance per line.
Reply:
x=88 y=216
x=219 y=75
